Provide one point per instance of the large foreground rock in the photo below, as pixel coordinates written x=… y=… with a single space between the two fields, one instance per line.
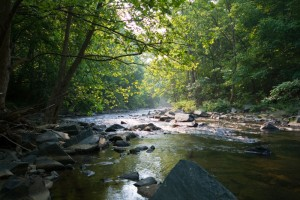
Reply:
x=189 y=181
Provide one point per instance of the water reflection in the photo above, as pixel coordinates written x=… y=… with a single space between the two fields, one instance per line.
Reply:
x=247 y=176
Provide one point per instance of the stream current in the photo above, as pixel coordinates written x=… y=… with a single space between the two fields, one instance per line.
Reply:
x=247 y=176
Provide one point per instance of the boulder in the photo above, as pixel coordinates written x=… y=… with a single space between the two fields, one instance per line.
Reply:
x=114 y=138
x=55 y=152
x=200 y=113
x=145 y=127
x=145 y=182
x=193 y=125
x=182 y=117
x=16 y=167
x=151 y=149
x=148 y=191
x=114 y=128
x=71 y=129
x=99 y=128
x=134 y=176
x=4 y=173
x=49 y=136
x=80 y=137
x=18 y=188
x=130 y=135
x=187 y=180
x=138 y=149
x=82 y=148
x=48 y=164
x=37 y=189
x=165 y=118
x=268 y=126
x=121 y=143
x=93 y=139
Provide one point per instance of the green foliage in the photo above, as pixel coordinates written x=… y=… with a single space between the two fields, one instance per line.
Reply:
x=285 y=92
x=219 y=105
x=187 y=106
x=109 y=76
x=231 y=50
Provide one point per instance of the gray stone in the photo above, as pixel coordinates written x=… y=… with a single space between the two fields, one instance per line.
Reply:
x=269 y=127
x=114 y=128
x=151 y=149
x=145 y=182
x=72 y=129
x=134 y=176
x=99 y=127
x=49 y=136
x=79 y=137
x=7 y=156
x=93 y=139
x=165 y=118
x=37 y=189
x=114 y=138
x=182 y=117
x=83 y=148
x=61 y=135
x=189 y=181
x=145 y=127
x=130 y=135
x=148 y=191
x=200 y=113
x=55 y=152
x=31 y=188
x=4 y=173
x=121 y=143
x=48 y=164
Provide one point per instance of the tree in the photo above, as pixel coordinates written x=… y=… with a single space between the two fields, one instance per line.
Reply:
x=7 y=11
x=132 y=25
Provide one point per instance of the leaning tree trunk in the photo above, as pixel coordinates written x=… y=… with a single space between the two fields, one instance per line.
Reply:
x=60 y=90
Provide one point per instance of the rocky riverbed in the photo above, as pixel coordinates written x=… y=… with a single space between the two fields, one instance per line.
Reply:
x=33 y=160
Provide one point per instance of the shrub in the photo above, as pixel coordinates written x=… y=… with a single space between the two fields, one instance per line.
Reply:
x=285 y=92
x=219 y=105
x=187 y=106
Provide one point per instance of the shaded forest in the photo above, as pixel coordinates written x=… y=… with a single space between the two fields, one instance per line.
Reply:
x=93 y=56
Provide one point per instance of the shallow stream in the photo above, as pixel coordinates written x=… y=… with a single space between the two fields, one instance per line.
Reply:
x=248 y=176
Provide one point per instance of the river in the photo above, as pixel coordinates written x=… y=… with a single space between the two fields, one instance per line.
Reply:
x=248 y=176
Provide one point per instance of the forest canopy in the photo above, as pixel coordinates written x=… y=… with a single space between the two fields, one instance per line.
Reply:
x=91 y=56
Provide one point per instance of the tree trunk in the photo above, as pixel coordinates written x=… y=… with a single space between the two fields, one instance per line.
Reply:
x=60 y=90
x=5 y=57
x=65 y=76
x=7 y=12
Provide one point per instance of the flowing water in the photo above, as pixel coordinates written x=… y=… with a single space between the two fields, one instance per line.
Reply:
x=248 y=176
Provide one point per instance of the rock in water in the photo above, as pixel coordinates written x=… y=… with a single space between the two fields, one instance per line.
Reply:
x=145 y=182
x=189 y=181
x=181 y=117
x=268 y=127
x=134 y=176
